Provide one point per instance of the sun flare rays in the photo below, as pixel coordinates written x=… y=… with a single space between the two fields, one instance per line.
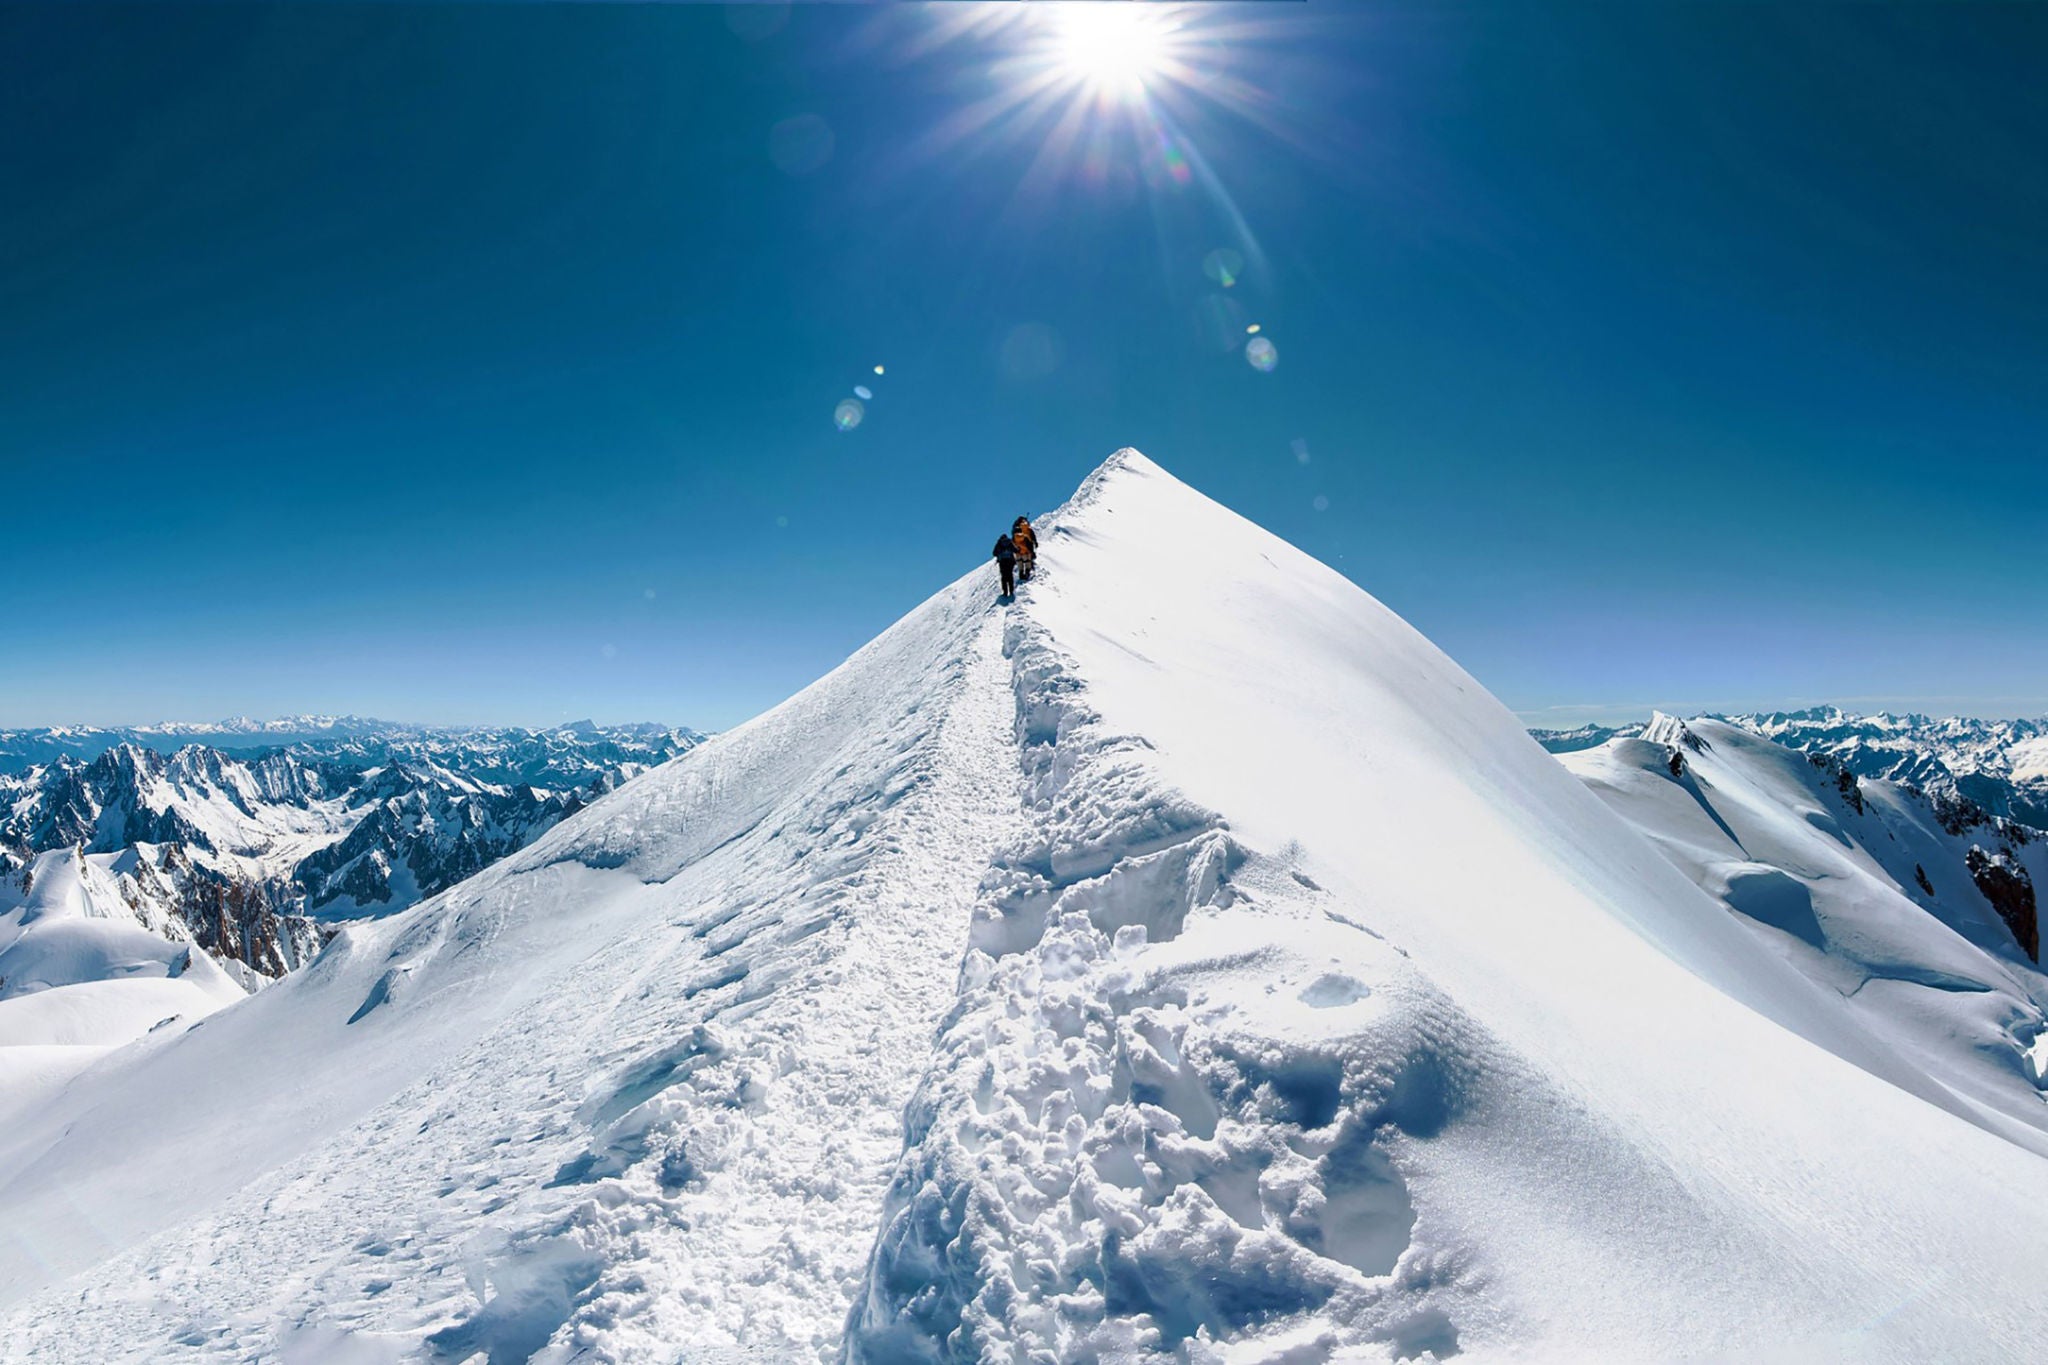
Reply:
x=1110 y=94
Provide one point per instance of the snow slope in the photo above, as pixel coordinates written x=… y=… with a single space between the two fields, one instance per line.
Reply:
x=638 y=1084
x=1187 y=961
x=79 y=975
x=1857 y=884
x=1578 y=1072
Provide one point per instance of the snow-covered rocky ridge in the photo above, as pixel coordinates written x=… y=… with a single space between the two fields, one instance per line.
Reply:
x=535 y=755
x=34 y=746
x=1185 y=962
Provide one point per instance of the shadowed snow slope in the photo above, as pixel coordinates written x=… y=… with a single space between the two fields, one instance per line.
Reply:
x=1186 y=961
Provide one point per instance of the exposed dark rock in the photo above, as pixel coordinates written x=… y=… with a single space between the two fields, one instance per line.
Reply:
x=2011 y=893
x=427 y=835
x=1844 y=780
x=1958 y=813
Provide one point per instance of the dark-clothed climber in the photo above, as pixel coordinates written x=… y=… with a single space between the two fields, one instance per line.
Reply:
x=1006 y=563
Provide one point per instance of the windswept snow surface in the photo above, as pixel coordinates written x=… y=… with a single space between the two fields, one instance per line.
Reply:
x=1860 y=886
x=1187 y=961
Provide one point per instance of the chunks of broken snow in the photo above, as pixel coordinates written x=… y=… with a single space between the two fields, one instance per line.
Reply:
x=1171 y=1101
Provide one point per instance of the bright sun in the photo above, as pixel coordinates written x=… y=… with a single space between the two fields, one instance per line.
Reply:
x=1113 y=47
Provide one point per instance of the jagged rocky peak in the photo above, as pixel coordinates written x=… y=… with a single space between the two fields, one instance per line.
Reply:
x=363 y=817
x=1672 y=732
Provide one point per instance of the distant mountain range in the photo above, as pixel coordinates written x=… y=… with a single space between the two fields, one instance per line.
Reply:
x=1999 y=765
x=246 y=837
x=22 y=749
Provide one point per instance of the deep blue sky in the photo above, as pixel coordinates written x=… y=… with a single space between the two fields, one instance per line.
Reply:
x=477 y=363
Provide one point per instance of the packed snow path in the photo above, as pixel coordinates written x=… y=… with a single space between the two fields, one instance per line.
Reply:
x=1185 y=963
x=682 y=1136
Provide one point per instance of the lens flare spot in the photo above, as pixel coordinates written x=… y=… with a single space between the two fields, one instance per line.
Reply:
x=848 y=414
x=1165 y=163
x=878 y=369
x=1321 y=503
x=1252 y=330
x=1223 y=266
x=1032 y=350
x=1262 y=354
x=862 y=392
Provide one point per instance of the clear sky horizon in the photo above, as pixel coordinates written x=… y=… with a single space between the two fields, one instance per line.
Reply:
x=479 y=363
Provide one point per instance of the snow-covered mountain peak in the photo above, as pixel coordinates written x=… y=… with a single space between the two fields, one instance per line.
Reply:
x=1125 y=461
x=1187 y=961
x=1671 y=732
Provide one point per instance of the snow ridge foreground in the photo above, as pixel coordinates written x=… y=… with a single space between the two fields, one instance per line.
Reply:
x=1188 y=962
x=1152 y=1032
x=637 y=1087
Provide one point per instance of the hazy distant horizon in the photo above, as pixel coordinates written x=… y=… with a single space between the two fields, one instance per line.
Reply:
x=1551 y=718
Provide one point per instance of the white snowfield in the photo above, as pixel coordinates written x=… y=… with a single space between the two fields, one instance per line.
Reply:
x=1184 y=962
x=81 y=975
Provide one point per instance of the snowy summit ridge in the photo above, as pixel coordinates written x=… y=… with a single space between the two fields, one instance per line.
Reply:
x=1185 y=962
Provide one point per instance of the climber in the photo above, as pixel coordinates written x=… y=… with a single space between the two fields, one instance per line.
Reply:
x=1006 y=560
x=1026 y=541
